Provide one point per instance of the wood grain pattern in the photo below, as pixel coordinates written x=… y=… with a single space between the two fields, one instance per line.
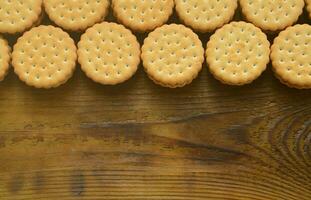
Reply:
x=141 y=141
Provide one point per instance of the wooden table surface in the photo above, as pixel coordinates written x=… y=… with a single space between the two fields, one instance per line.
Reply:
x=141 y=141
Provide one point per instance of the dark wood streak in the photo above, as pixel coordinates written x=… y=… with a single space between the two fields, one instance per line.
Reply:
x=16 y=183
x=278 y=144
x=286 y=138
x=77 y=183
x=2 y=142
x=39 y=181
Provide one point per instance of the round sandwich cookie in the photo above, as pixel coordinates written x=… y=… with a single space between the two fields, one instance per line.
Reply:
x=172 y=55
x=291 y=56
x=19 y=15
x=109 y=53
x=44 y=57
x=5 y=57
x=272 y=15
x=142 y=15
x=206 y=15
x=238 y=53
x=76 y=15
x=308 y=2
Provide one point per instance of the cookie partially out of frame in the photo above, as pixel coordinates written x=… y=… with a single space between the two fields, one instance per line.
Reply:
x=206 y=15
x=5 y=57
x=76 y=15
x=290 y=55
x=272 y=15
x=238 y=53
x=109 y=53
x=308 y=2
x=172 y=55
x=142 y=15
x=44 y=57
x=19 y=15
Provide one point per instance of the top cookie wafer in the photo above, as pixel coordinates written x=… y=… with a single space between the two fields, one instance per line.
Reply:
x=172 y=55
x=76 y=15
x=142 y=15
x=291 y=56
x=206 y=15
x=44 y=57
x=18 y=15
x=272 y=15
x=109 y=53
x=238 y=53
x=4 y=58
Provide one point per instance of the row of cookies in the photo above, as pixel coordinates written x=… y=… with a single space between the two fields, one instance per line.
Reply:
x=172 y=55
x=141 y=15
x=236 y=54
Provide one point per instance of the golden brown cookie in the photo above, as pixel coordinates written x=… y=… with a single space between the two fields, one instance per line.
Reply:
x=109 y=53
x=172 y=55
x=272 y=15
x=76 y=15
x=5 y=56
x=142 y=15
x=44 y=57
x=291 y=56
x=18 y=15
x=206 y=15
x=238 y=53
